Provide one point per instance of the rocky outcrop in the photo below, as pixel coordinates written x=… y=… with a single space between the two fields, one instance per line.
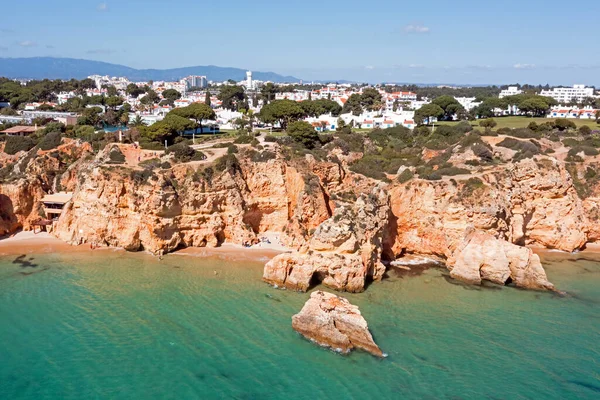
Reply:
x=483 y=257
x=27 y=177
x=331 y=321
x=161 y=210
x=532 y=202
x=344 y=252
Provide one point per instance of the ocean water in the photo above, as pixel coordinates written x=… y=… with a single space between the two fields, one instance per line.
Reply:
x=114 y=325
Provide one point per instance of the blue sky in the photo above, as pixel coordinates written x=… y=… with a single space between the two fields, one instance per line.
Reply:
x=465 y=41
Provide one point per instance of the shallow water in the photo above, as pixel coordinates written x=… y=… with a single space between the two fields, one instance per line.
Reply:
x=128 y=326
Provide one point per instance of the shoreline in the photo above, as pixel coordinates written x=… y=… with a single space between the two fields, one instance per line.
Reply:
x=27 y=242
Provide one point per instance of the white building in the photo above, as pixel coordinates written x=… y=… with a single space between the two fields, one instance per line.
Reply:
x=468 y=103
x=565 y=95
x=511 y=91
x=194 y=81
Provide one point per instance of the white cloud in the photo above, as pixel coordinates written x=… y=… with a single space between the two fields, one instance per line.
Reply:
x=416 y=28
x=369 y=67
x=524 y=66
x=27 y=43
x=3 y=48
x=415 y=66
x=102 y=7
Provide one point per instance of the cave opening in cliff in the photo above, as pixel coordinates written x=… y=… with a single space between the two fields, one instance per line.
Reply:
x=316 y=279
x=508 y=281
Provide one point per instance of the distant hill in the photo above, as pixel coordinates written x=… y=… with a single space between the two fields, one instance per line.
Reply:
x=68 y=68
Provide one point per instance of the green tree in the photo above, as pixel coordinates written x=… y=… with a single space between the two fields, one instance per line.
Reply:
x=488 y=123
x=171 y=95
x=114 y=101
x=207 y=99
x=90 y=116
x=282 y=111
x=302 y=132
x=134 y=90
x=353 y=105
x=197 y=112
x=427 y=112
x=268 y=92
x=535 y=106
x=231 y=96
x=150 y=99
x=370 y=99
x=138 y=121
x=450 y=106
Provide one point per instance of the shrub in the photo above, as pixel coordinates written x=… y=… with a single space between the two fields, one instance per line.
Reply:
x=588 y=151
x=263 y=156
x=51 y=141
x=149 y=145
x=488 y=123
x=254 y=143
x=482 y=151
x=452 y=171
x=470 y=139
x=434 y=176
x=232 y=149
x=353 y=142
x=243 y=139
x=585 y=130
x=372 y=166
x=15 y=144
x=563 y=124
x=303 y=133
x=533 y=126
x=115 y=156
x=470 y=186
x=463 y=127
x=270 y=139
x=182 y=152
x=326 y=138
x=405 y=176
x=151 y=163
x=198 y=156
x=228 y=163
x=504 y=131
x=525 y=133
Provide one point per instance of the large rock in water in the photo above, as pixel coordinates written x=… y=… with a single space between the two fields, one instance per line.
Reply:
x=331 y=321
x=483 y=257
x=344 y=253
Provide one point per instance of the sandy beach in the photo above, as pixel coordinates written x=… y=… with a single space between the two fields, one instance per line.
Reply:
x=27 y=242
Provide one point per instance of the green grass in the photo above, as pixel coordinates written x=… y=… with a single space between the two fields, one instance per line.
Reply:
x=522 y=122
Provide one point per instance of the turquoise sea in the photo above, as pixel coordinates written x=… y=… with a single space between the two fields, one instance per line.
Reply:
x=115 y=325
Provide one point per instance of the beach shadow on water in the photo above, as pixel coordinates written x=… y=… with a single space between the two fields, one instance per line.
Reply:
x=27 y=263
x=23 y=262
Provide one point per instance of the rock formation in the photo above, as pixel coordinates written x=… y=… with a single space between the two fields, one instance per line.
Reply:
x=483 y=257
x=344 y=251
x=331 y=321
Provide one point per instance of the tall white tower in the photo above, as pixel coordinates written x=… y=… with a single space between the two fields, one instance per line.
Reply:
x=249 y=79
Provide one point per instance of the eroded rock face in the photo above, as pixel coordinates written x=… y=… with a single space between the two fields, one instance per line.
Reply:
x=532 y=202
x=331 y=321
x=344 y=251
x=28 y=176
x=483 y=257
x=162 y=210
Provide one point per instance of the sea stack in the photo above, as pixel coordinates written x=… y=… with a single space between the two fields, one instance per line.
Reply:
x=331 y=321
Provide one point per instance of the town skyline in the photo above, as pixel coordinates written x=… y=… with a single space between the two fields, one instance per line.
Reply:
x=406 y=43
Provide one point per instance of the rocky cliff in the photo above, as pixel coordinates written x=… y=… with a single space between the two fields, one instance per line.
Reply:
x=27 y=176
x=341 y=224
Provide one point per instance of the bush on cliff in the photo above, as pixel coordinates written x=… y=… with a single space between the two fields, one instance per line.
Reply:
x=228 y=163
x=51 y=141
x=182 y=152
x=115 y=156
x=243 y=139
x=15 y=144
x=405 y=176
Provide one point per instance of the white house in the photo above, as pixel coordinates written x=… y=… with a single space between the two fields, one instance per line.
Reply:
x=511 y=91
